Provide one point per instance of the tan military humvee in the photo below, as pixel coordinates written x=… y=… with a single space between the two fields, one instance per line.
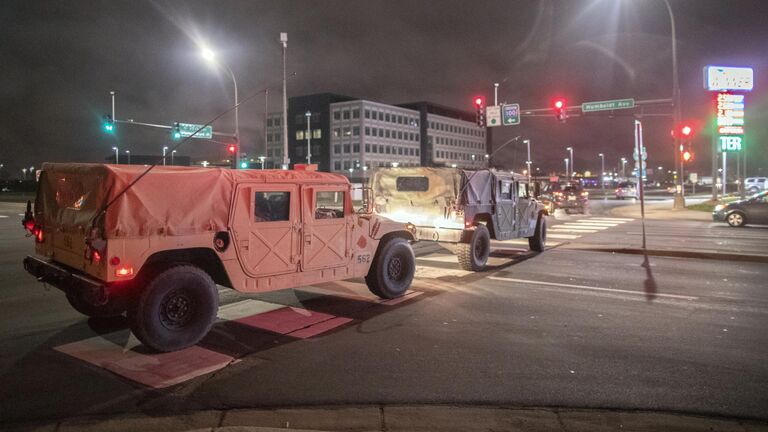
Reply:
x=158 y=248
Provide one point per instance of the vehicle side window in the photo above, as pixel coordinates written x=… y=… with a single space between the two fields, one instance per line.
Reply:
x=505 y=190
x=272 y=206
x=329 y=204
x=522 y=190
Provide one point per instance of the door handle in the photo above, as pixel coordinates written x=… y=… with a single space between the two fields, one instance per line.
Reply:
x=308 y=239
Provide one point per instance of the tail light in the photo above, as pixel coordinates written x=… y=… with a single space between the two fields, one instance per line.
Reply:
x=95 y=246
x=585 y=193
x=37 y=231
x=124 y=271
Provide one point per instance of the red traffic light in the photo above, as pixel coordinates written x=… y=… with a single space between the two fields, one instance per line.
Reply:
x=686 y=130
x=559 y=103
x=232 y=149
x=479 y=101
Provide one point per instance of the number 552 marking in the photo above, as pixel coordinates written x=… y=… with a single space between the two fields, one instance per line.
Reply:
x=365 y=258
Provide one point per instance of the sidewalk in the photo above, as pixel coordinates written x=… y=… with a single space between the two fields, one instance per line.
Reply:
x=661 y=211
x=401 y=418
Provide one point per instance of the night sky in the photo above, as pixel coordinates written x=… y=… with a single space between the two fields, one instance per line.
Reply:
x=59 y=60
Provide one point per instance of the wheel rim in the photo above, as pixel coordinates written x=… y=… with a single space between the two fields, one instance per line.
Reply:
x=480 y=246
x=177 y=310
x=735 y=219
x=395 y=268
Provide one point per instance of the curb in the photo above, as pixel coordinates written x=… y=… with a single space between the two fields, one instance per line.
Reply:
x=392 y=418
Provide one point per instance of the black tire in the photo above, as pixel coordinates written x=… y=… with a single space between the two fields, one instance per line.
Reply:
x=538 y=241
x=176 y=309
x=111 y=309
x=392 y=270
x=736 y=219
x=473 y=256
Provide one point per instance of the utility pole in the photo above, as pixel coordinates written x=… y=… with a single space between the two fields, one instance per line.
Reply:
x=528 y=161
x=308 y=114
x=266 y=118
x=286 y=161
x=602 y=173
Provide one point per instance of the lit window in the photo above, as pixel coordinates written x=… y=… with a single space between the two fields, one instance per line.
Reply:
x=336 y=132
x=347 y=131
x=317 y=133
x=299 y=134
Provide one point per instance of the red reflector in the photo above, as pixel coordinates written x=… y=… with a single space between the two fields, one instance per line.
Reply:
x=124 y=271
x=96 y=256
x=114 y=261
x=38 y=234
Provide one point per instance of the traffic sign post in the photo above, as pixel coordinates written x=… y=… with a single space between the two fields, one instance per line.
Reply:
x=510 y=114
x=608 y=105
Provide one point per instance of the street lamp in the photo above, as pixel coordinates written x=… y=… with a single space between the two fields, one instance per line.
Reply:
x=210 y=57
x=24 y=173
x=262 y=159
x=570 y=149
x=566 y=166
x=623 y=166
x=602 y=172
x=308 y=114
x=172 y=153
x=128 y=152
x=165 y=148
x=117 y=155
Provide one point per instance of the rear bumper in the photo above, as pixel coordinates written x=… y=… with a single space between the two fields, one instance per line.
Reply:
x=66 y=280
x=570 y=204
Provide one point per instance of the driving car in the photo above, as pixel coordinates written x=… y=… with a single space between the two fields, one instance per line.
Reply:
x=753 y=210
x=626 y=190
x=567 y=196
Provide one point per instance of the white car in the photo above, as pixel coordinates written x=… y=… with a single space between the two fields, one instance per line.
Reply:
x=755 y=184
x=626 y=190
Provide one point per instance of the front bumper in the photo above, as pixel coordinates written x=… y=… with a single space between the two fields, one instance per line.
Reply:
x=719 y=216
x=449 y=235
x=66 y=280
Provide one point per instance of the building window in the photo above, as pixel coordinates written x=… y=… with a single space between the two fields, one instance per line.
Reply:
x=347 y=165
x=336 y=132
x=299 y=135
x=418 y=137
x=337 y=115
x=381 y=133
x=389 y=149
x=317 y=133
x=375 y=148
x=337 y=165
x=386 y=117
x=400 y=150
x=346 y=148
x=367 y=148
x=417 y=152
x=367 y=131
x=381 y=149
x=355 y=113
x=388 y=134
x=355 y=130
x=277 y=122
x=356 y=148
x=346 y=114
x=337 y=149
x=399 y=135
x=347 y=131
x=381 y=116
x=269 y=122
x=367 y=113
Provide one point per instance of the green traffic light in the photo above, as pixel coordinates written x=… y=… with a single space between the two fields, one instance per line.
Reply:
x=109 y=124
x=243 y=165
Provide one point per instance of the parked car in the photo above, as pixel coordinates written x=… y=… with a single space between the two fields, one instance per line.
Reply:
x=626 y=190
x=753 y=210
x=755 y=184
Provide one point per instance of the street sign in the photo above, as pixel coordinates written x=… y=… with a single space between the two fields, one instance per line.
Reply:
x=608 y=105
x=510 y=114
x=493 y=116
x=187 y=129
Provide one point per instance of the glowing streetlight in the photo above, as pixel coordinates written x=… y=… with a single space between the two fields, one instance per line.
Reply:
x=165 y=148
x=117 y=155
x=210 y=56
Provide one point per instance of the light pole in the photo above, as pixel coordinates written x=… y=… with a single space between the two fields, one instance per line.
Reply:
x=570 y=149
x=24 y=173
x=602 y=172
x=117 y=155
x=172 y=153
x=308 y=114
x=679 y=202
x=210 y=57
x=165 y=148
x=286 y=161
x=623 y=166
x=262 y=159
x=128 y=152
x=529 y=161
x=566 y=166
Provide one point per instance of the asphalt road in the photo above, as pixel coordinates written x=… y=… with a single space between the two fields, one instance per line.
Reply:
x=567 y=327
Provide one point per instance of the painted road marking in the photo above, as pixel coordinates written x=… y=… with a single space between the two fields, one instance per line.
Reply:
x=622 y=220
x=154 y=370
x=289 y=320
x=438 y=258
x=592 y=224
x=562 y=236
x=3 y=216
x=242 y=309
x=589 y=288
x=574 y=229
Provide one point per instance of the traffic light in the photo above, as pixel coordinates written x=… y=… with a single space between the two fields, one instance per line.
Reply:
x=559 y=106
x=108 y=123
x=176 y=132
x=232 y=150
x=480 y=110
x=686 y=131
x=687 y=156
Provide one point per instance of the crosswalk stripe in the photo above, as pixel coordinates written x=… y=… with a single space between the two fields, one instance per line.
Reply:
x=563 y=236
x=241 y=309
x=586 y=225
x=3 y=216
x=622 y=220
x=576 y=230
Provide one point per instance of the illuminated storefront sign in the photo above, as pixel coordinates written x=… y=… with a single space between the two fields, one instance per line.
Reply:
x=730 y=121
x=721 y=78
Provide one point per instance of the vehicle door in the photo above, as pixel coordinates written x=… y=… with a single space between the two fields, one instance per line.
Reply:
x=757 y=209
x=504 y=223
x=265 y=228
x=526 y=210
x=326 y=226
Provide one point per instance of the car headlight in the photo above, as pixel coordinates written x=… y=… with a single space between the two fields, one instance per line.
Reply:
x=719 y=207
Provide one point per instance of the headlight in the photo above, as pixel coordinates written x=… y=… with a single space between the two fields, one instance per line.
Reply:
x=719 y=207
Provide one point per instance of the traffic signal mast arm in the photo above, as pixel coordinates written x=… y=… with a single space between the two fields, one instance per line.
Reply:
x=168 y=127
x=575 y=110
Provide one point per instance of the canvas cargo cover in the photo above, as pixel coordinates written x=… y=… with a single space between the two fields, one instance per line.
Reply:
x=167 y=201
